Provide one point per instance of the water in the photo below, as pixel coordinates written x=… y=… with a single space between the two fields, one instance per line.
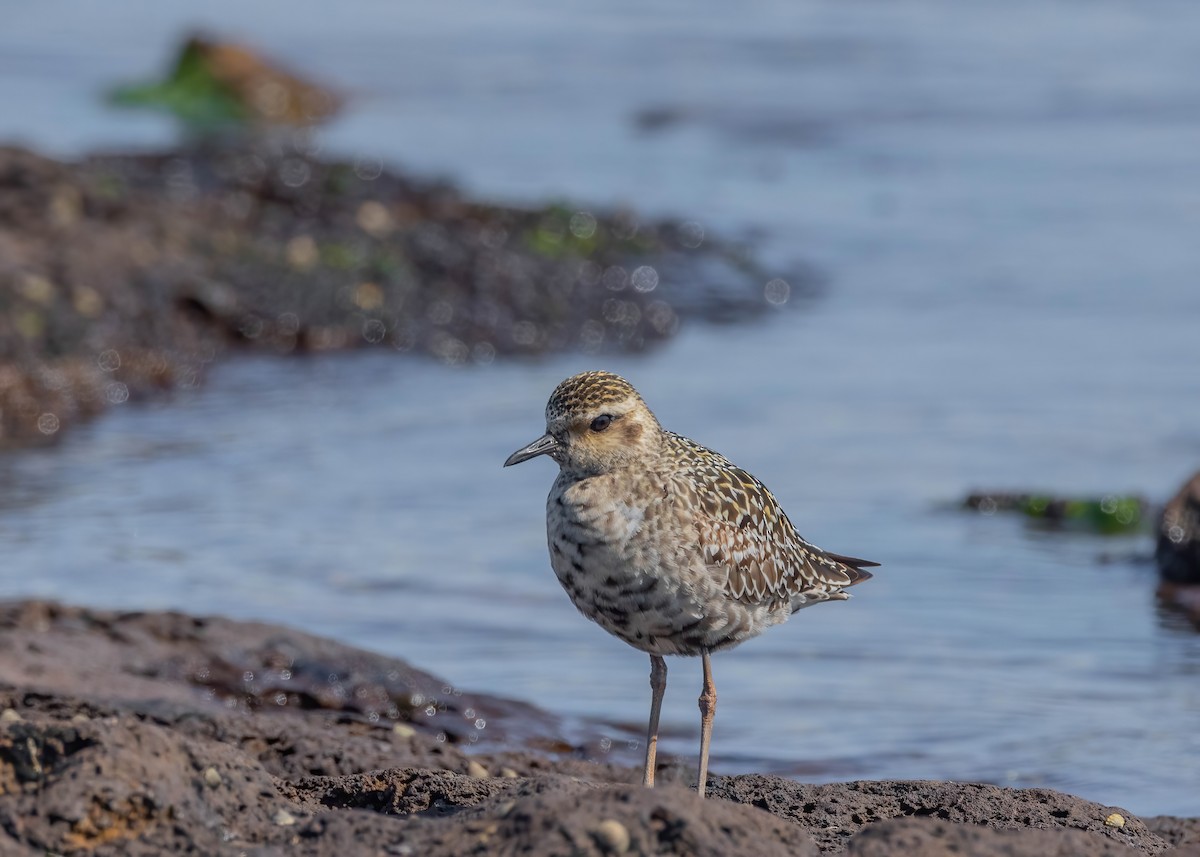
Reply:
x=1004 y=199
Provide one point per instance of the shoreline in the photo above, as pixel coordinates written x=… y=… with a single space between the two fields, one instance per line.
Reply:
x=158 y=732
x=126 y=275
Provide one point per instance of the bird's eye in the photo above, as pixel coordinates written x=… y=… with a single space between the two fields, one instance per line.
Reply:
x=601 y=422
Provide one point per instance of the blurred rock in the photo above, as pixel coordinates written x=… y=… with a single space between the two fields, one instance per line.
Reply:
x=124 y=275
x=1178 y=552
x=1183 y=834
x=1178 y=549
x=214 y=84
x=1111 y=514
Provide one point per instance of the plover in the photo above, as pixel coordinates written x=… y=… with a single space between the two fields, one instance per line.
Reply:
x=667 y=544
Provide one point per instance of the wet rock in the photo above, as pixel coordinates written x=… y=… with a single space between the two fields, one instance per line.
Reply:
x=126 y=785
x=1180 y=833
x=570 y=817
x=124 y=275
x=120 y=744
x=1178 y=548
x=931 y=837
x=398 y=791
x=835 y=812
x=214 y=84
x=1108 y=515
x=175 y=659
x=1177 y=552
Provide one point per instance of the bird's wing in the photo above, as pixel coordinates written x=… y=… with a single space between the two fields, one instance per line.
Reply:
x=745 y=534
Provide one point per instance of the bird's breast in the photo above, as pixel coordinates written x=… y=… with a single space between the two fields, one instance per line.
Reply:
x=597 y=510
x=623 y=565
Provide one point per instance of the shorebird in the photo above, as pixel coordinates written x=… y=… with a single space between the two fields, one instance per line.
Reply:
x=666 y=544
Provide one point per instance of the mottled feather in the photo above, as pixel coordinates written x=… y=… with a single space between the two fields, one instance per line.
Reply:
x=745 y=536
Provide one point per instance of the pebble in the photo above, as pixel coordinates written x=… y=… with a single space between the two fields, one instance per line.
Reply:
x=283 y=818
x=212 y=778
x=486 y=833
x=404 y=730
x=509 y=772
x=611 y=836
x=10 y=715
x=474 y=769
x=1115 y=820
x=374 y=219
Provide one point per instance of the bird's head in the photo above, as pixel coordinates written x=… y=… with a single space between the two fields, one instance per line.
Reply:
x=595 y=423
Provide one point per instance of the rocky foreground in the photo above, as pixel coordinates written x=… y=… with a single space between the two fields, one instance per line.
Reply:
x=152 y=733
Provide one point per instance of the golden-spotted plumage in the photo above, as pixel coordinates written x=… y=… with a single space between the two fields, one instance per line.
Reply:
x=665 y=543
x=744 y=533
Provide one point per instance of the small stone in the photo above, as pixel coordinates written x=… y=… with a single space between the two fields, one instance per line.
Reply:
x=36 y=288
x=486 y=833
x=509 y=772
x=212 y=778
x=611 y=836
x=368 y=296
x=403 y=730
x=1115 y=820
x=302 y=253
x=474 y=769
x=374 y=219
x=283 y=818
x=87 y=301
x=505 y=808
x=10 y=715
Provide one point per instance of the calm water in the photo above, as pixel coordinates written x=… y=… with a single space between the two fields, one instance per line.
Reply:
x=1005 y=200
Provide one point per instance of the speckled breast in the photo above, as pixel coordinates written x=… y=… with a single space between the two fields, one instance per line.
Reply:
x=629 y=566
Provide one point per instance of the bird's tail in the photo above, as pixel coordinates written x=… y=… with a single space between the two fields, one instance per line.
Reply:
x=854 y=567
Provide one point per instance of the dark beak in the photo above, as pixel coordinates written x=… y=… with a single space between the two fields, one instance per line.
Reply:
x=543 y=445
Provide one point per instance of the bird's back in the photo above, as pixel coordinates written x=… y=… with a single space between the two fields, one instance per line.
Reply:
x=746 y=538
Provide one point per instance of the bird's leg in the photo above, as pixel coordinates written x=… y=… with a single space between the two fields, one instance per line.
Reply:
x=708 y=707
x=658 y=684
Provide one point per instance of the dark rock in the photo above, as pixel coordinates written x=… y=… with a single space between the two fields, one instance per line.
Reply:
x=144 y=734
x=121 y=276
x=835 y=812
x=1178 y=552
x=214 y=84
x=127 y=785
x=931 y=837
x=1182 y=833
x=197 y=670
x=560 y=816
x=403 y=791
x=1111 y=514
x=1178 y=549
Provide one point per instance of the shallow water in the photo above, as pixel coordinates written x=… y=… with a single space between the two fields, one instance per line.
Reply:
x=1004 y=200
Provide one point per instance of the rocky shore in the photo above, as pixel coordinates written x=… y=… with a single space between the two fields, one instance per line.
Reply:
x=152 y=733
x=126 y=275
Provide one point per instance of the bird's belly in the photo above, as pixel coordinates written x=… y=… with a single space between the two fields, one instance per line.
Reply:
x=663 y=611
